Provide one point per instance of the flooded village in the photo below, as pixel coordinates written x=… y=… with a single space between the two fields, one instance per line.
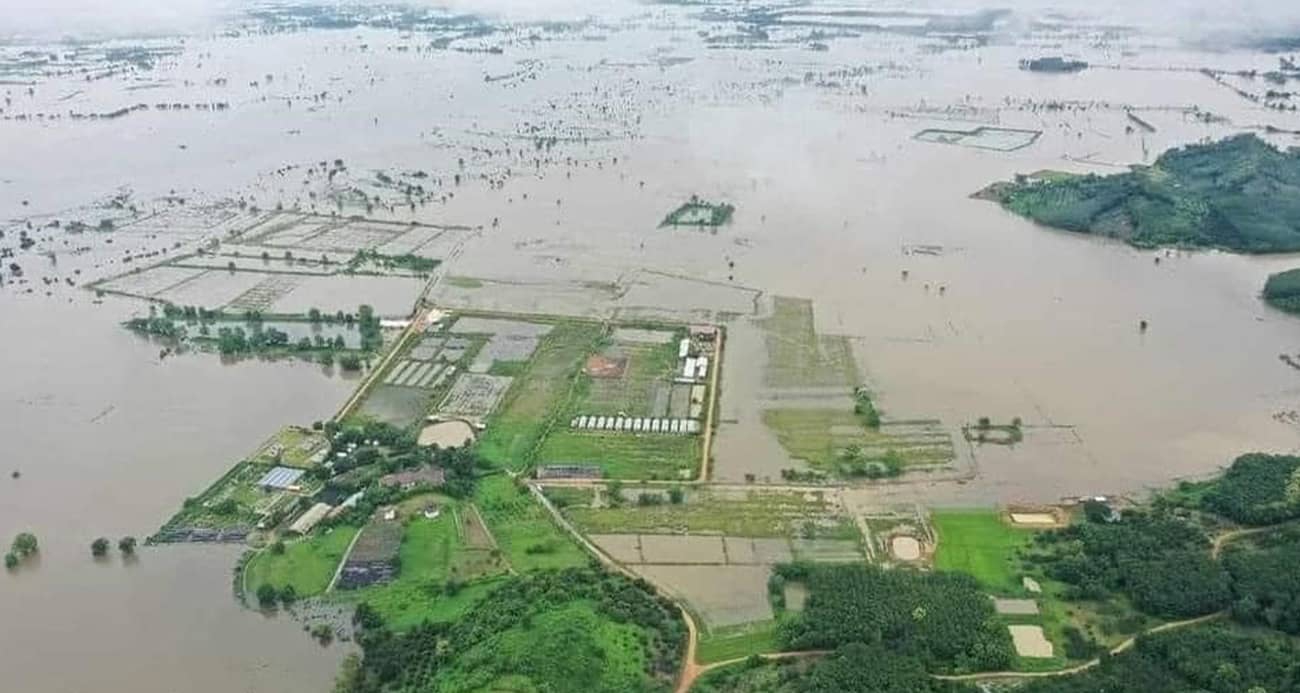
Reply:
x=358 y=317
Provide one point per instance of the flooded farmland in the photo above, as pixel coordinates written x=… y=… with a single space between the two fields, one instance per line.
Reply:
x=523 y=165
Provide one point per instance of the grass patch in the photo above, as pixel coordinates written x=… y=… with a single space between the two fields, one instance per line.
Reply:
x=292 y=446
x=735 y=642
x=307 y=565
x=625 y=455
x=980 y=544
x=512 y=369
x=758 y=514
x=527 y=535
x=406 y=604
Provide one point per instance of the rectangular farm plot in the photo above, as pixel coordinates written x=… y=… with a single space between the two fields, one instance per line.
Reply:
x=630 y=379
x=835 y=440
x=722 y=595
x=149 y=282
x=399 y=406
x=980 y=544
x=798 y=356
x=624 y=548
x=826 y=550
x=212 y=289
x=474 y=395
x=624 y=454
x=265 y=293
x=538 y=392
x=373 y=559
x=771 y=518
x=671 y=549
x=503 y=347
x=388 y=295
x=1030 y=641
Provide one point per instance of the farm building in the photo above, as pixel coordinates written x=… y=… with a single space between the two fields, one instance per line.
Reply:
x=280 y=478
x=310 y=518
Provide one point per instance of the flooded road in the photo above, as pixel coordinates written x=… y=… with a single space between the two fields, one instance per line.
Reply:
x=549 y=154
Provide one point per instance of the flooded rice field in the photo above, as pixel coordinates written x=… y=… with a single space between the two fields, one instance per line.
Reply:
x=524 y=167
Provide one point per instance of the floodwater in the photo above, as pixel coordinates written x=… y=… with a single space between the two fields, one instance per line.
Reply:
x=571 y=143
x=108 y=441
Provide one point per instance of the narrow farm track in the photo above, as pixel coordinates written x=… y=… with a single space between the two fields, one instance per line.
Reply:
x=696 y=670
x=1228 y=537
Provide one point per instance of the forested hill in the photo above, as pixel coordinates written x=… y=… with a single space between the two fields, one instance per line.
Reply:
x=1240 y=194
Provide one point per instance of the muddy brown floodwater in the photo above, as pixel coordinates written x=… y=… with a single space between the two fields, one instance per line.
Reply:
x=554 y=150
x=109 y=441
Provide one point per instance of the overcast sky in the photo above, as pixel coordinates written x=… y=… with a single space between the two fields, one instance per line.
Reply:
x=1188 y=19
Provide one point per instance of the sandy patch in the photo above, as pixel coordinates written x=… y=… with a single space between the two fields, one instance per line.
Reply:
x=1033 y=518
x=1030 y=641
x=905 y=548
x=1019 y=607
x=624 y=548
x=796 y=595
x=447 y=434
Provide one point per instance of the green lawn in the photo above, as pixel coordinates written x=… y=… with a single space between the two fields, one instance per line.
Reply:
x=979 y=543
x=408 y=603
x=733 y=643
x=308 y=564
x=625 y=455
x=527 y=535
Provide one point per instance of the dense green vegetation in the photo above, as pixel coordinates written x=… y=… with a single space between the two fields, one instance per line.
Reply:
x=941 y=619
x=1160 y=562
x=248 y=334
x=699 y=212
x=1239 y=194
x=1257 y=489
x=1282 y=290
x=1211 y=659
x=1266 y=580
x=571 y=630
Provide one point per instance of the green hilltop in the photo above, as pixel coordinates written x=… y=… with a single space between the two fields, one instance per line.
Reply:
x=1240 y=194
